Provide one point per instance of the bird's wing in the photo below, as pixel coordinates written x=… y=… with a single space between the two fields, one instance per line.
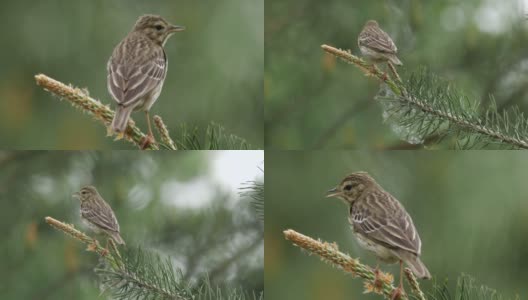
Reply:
x=100 y=214
x=380 y=217
x=133 y=73
x=377 y=39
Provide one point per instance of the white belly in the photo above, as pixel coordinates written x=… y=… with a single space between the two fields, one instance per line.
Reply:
x=91 y=226
x=384 y=254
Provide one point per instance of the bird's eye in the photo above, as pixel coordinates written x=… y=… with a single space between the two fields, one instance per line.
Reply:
x=159 y=27
x=348 y=187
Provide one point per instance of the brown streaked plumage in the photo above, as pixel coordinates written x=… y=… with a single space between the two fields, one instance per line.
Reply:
x=376 y=44
x=97 y=214
x=380 y=223
x=137 y=69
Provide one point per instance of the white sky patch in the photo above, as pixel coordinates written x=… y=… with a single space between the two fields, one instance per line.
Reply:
x=229 y=169
x=189 y=194
x=495 y=17
x=232 y=168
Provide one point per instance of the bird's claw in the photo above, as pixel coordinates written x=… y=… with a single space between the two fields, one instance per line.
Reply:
x=119 y=136
x=397 y=293
x=110 y=132
x=147 y=141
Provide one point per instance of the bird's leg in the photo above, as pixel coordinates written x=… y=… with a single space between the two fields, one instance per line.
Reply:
x=394 y=72
x=149 y=139
x=374 y=70
x=148 y=122
x=398 y=292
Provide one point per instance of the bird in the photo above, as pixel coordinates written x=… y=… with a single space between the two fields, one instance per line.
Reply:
x=97 y=214
x=137 y=69
x=381 y=224
x=376 y=45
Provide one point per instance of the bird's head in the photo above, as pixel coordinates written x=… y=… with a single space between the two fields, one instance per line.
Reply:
x=371 y=23
x=156 y=28
x=351 y=187
x=86 y=193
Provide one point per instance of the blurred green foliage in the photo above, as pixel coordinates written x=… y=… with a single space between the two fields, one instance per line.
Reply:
x=313 y=100
x=167 y=203
x=215 y=68
x=470 y=209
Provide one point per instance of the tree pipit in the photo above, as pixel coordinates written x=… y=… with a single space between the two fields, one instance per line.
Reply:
x=97 y=214
x=381 y=224
x=137 y=70
x=376 y=45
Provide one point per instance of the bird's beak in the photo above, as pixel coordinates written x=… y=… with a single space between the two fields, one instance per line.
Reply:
x=76 y=195
x=176 y=28
x=332 y=193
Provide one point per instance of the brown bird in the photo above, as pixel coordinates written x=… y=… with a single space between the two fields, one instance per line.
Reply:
x=137 y=70
x=380 y=223
x=376 y=45
x=97 y=214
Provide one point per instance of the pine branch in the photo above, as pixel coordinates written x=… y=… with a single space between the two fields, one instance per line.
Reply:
x=164 y=132
x=134 y=274
x=80 y=99
x=93 y=245
x=255 y=191
x=143 y=275
x=214 y=137
x=415 y=286
x=424 y=105
x=139 y=274
x=466 y=289
x=208 y=292
x=330 y=253
x=369 y=69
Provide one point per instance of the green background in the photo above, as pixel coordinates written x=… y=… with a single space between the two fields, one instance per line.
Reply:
x=314 y=101
x=215 y=68
x=470 y=209
x=167 y=203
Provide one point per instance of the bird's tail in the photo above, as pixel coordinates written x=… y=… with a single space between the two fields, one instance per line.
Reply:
x=418 y=267
x=117 y=238
x=120 y=121
x=394 y=60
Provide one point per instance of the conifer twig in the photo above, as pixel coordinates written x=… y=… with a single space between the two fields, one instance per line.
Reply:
x=80 y=99
x=139 y=274
x=439 y=107
x=415 y=286
x=164 y=133
x=330 y=253
x=93 y=245
x=368 y=69
x=394 y=72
